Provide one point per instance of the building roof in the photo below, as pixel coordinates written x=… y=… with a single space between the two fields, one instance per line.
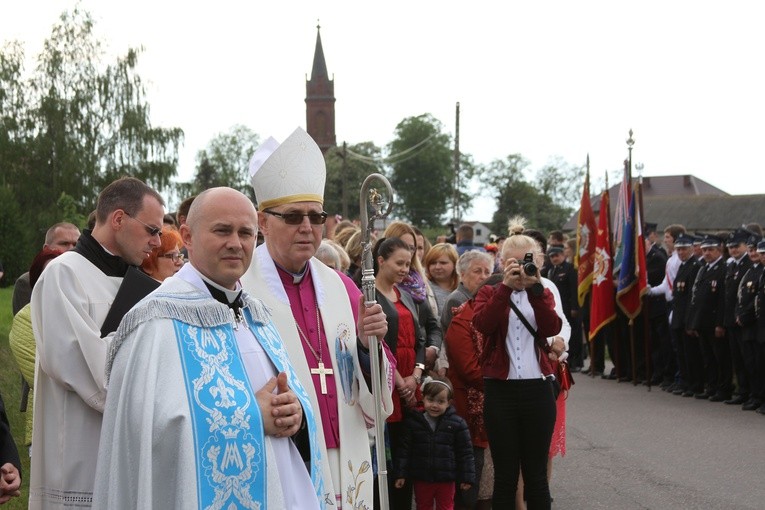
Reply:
x=675 y=186
x=472 y=223
x=708 y=213
x=664 y=185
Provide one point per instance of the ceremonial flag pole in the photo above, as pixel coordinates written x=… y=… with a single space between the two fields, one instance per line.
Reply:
x=602 y=310
x=622 y=205
x=617 y=335
x=647 y=335
x=632 y=276
x=585 y=245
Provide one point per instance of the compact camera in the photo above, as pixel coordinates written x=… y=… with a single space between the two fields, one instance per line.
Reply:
x=528 y=265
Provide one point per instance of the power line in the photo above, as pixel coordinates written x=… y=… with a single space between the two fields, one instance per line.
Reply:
x=393 y=158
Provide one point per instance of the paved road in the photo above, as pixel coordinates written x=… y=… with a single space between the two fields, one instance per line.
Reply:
x=628 y=448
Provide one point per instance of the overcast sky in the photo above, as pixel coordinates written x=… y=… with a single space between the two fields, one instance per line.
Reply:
x=543 y=79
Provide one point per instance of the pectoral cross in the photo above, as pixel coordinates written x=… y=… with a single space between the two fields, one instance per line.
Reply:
x=322 y=373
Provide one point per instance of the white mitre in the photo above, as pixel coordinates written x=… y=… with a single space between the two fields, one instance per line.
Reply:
x=293 y=171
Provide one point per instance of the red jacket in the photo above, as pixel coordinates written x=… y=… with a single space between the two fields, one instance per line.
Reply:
x=492 y=309
x=464 y=372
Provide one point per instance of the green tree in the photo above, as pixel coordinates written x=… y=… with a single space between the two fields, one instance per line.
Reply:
x=225 y=161
x=75 y=124
x=16 y=239
x=346 y=170
x=561 y=182
x=422 y=170
x=506 y=180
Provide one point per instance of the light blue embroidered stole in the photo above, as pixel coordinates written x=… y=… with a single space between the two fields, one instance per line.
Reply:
x=227 y=424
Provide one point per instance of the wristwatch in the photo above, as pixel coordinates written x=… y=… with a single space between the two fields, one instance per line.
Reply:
x=418 y=378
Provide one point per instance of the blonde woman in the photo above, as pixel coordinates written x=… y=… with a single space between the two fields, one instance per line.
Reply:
x=441 y=269
x=519 y=407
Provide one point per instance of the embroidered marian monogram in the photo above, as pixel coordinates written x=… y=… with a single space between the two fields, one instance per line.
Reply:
x=227 y=424
x=228 y=427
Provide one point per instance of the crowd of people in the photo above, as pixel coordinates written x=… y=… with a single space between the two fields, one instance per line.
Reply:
x=701 y=332
x=233 y=368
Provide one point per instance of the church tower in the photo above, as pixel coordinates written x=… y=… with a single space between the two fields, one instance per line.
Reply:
x=320 y=101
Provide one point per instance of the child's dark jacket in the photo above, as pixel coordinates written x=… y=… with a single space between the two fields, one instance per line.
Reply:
x=441 y=455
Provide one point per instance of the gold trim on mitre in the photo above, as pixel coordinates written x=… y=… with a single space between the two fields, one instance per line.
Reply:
x=307 y=197
x=293 y=171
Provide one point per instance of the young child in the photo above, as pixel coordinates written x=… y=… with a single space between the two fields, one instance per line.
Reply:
x=436 y=450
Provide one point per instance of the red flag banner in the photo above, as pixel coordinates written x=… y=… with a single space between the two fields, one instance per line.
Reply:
x=585 y=243
x=602 y=308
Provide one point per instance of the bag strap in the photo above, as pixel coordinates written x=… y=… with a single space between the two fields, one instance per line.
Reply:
x=541 y=344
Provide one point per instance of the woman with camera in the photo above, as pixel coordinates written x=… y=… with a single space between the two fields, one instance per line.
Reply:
x=515 y=317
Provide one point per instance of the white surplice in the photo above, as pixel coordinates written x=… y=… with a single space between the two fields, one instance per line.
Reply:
x=69 y=303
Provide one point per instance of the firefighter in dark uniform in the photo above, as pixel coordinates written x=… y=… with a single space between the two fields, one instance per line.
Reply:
x=705 y=320
x=759 y=308
x=746 y=319
x=656 y=308
x=689 y=359
x=738 y=265
x=697 y=248
x=564 y=276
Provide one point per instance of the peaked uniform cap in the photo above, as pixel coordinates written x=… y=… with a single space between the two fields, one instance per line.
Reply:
x=684 y=241
x=710 y=241
x=293 y=171
x=761 y=247
x=738 y=236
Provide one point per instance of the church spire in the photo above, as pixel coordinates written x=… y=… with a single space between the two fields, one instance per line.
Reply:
x=319 y=64
x=320 y=100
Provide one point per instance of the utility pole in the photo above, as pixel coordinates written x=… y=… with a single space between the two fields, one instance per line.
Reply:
x=456 y=187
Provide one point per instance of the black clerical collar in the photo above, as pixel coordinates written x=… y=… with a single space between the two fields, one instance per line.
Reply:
x=221 y=293
x=231 y=298
x=91 y=249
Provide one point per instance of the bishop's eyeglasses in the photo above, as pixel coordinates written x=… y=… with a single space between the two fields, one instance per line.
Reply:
x=296 y=218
